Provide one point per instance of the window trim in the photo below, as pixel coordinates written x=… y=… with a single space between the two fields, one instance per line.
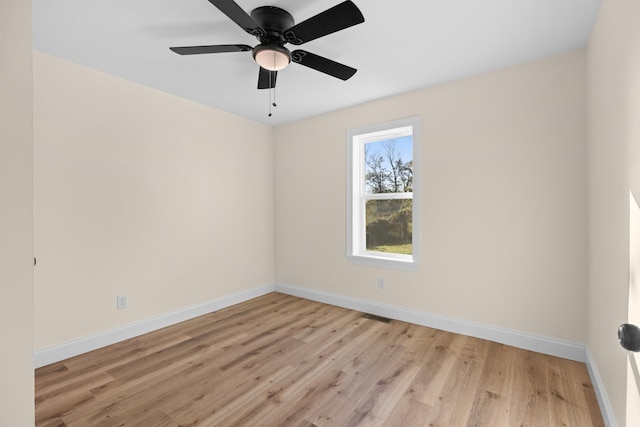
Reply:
x=355 y=151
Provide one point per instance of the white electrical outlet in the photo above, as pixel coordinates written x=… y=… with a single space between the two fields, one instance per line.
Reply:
x=380 y=282
x=121 y=302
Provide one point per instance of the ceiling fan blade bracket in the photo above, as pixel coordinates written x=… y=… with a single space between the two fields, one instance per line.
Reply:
x=297 y=56
x=339 y=17
x=256 y=32
x=239 y=16
x=291 y=37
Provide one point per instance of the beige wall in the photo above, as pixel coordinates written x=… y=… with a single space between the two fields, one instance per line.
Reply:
x=503 y=200
x=16 y=218
x=141 y=193
x=614 y=170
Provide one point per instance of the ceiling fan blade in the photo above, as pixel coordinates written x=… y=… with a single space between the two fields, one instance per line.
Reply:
x=337 y=18
x=323 y=65
x=267 y=79
x=239 y=16
x=218 y=48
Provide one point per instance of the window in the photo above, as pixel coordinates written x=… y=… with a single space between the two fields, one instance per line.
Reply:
x=382 y=205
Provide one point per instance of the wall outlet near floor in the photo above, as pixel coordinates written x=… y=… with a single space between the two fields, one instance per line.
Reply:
x=380 y=282
x=121 y=302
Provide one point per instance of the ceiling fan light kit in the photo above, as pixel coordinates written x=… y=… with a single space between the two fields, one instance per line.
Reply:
x=274 y=27
x=272 y=57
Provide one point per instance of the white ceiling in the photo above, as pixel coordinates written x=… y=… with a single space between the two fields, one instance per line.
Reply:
x=403 y=45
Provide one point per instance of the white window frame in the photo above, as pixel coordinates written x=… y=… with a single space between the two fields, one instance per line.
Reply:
x=356 y=251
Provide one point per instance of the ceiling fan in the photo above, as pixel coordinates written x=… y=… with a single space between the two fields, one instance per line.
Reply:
x=274 y=27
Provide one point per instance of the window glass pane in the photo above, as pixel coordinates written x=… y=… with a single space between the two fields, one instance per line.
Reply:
x=389 y=226
x=389 y=165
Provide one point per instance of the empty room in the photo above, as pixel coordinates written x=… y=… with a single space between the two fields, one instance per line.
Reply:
x=322 y=213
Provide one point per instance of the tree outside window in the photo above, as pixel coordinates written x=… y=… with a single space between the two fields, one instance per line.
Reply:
x=389 y=172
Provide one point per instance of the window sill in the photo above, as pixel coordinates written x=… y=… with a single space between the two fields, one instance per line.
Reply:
x=382 y=262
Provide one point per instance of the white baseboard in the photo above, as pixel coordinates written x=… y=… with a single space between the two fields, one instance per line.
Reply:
x=601 y=391
x=63 y=351
x=540 y=344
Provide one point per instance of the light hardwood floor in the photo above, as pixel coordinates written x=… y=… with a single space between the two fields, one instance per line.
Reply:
x=279 y=360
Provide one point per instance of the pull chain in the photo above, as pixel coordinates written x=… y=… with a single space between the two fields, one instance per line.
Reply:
x=272 y=92
x=274 y=97
x=272 y=86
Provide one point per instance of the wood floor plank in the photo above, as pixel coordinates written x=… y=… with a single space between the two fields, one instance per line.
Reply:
x=437 y=356
x=368 y=369
x=141 y=381
x=59 y=399
x=279 y=360
x=124 y=351
x=55 y=423
x=209 y=405
x=453 y=406
x=408 y=412
x=379 y=403
x=494 y=389
x=59 y=410
x=529 y=399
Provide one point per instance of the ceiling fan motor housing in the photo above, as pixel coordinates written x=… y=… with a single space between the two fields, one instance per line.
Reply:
x=274 y=21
